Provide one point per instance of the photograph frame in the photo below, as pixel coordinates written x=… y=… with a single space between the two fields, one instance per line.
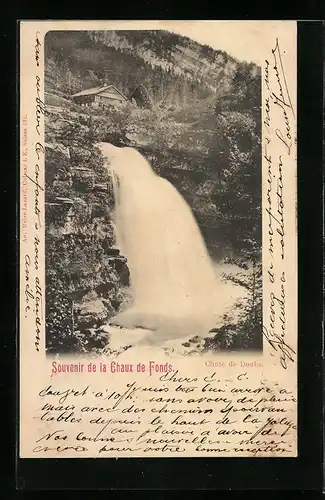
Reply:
x=281 y=464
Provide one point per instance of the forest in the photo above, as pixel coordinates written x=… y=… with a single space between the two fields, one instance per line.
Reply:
x=199 y=129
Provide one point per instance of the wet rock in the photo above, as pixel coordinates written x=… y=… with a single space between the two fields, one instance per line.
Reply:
x=120 y=297
x=92 y=338
x=120 y=265
x=90 y=312
x=195 y=339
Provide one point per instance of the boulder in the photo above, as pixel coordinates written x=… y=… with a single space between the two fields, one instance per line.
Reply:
x=92 y=338
x=92 y=312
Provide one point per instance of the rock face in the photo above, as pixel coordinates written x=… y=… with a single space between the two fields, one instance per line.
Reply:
x=92 y=339
x=91 y=311
x=83 y=269
x=94 y=307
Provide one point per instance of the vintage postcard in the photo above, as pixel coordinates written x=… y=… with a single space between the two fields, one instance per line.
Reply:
x=158 y=239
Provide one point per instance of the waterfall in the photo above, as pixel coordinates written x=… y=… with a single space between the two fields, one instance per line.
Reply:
x=174 y=286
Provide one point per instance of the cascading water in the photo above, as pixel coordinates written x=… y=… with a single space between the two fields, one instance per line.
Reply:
x=174 y=285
